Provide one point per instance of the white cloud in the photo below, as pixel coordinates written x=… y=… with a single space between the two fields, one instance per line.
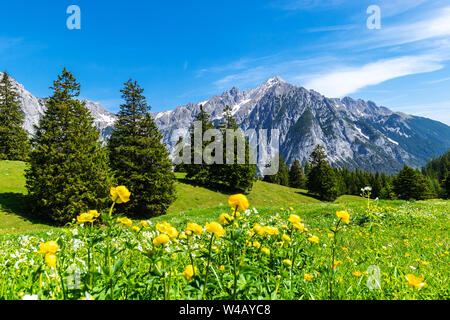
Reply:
x=344 y=81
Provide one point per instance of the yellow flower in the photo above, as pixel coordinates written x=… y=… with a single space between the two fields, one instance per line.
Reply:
x=145 y=223
x=48 y=247
x=225 y=219
x=266 y=251
x=215 y=228
x=271 y=230
x=222 y=268
x=415 y=282
x=89 y=216
x=195 y=228
x=307 y=277
x=120 y=194
x=344 y=216
x=290 y=208
x=259 y=229
x=238 y=202
x=161 y=240
x=293 y=218
x=50 y=260
x=356 y=273
x=125 y=221
x=137 y=229
x=256 y=244
x=189 y=272
x=299 y=226
x=314 y=239
x=286 y=238
x=287 y=262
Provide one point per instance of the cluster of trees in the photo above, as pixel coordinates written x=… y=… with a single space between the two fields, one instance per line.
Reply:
x=328 y=183
x=14 y=142
x=214 y=170
x=71 y=171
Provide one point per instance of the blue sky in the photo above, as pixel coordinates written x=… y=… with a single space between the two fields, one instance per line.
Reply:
x=187 y=51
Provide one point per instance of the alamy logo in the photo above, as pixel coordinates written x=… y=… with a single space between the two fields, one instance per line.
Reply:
x=374 y=20
x=74 y=20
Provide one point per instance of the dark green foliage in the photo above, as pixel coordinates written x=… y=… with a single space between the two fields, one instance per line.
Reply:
x=282 y=176
x=238 y=177
x=297 y=178
x=322 y=178
x=410 y=184
x=14 y=141
x=199 y=172
x=139 y=159
x=446 y=186
x=68 y=171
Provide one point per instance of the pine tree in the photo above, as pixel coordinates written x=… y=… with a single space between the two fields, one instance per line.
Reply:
x=410 y=184
x=139 y=159
x=14 y=141
x=238 y=177
x=199 y=172
x=68 y=171
x=322 y=179
x=446 y=186
x=297 y=178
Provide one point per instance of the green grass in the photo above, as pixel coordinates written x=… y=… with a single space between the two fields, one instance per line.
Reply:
x=14 y=217
x=190 y=198
x=398 y=237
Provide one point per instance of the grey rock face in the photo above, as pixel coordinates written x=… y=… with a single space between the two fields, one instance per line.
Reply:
x=354 y=133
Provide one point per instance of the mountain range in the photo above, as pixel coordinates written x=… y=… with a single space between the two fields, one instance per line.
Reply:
x=354 y=133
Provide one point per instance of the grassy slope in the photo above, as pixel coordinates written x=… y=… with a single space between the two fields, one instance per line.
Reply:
x=13 y=213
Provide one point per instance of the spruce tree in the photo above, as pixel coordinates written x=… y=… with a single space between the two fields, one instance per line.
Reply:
x=14 y=141
x=446 y=186
x=199 y=172
x=321 y=178
x=68 y=171
x=296 y=176
x=139 y=159
x=410 y=184
x=237 y=177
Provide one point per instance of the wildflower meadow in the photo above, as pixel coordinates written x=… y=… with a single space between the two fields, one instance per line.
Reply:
x=374 y=250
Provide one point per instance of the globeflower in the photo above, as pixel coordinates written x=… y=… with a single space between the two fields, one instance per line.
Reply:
x=287 y=262
x=89 y=216
x=195 y=228
x=356 y=273
x=344 y=216
x=120 y=194
x=307 y=277
x=162 y=239
x=49 y=247
x=225 y=219
x=299 y=226
x=414 y=281
x=271 y=230
x=238 y=202
x=259 y=229
x=314 y=239
x=286 y=238
x=215 y=228
x=125 y=221
x=266 y=251
x=189 y=272
x=293 y=218
x=50 y=260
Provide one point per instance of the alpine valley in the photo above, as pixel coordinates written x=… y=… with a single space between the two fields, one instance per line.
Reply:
x=354 y=133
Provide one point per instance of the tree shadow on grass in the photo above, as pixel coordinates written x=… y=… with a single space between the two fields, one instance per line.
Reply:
x=16 y=204
x=309 y=195
x=212 y=187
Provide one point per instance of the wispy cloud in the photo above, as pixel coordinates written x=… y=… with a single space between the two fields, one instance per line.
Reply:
x=341 y=82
